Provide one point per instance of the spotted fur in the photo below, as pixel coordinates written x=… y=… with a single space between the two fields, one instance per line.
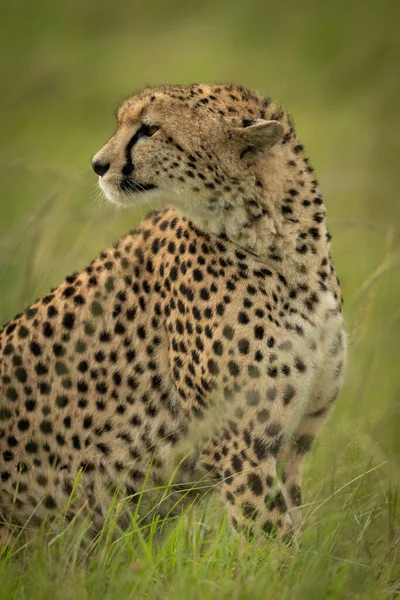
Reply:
x=227 y=299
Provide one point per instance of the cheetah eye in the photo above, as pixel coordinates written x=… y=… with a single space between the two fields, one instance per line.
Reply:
x=147 y=130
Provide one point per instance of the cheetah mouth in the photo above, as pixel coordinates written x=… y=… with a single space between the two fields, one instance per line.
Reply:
x=130 y=185
x=127 y=191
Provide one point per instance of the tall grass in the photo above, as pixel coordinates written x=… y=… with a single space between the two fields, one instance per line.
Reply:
x=350 y=547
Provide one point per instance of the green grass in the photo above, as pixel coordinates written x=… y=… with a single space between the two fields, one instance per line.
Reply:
x=65 y=67
x=349 y=548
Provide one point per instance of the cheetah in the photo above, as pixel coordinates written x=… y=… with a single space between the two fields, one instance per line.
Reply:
x=225 y=299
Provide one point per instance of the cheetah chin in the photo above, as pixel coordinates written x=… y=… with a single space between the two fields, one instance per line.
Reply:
x=132 y=193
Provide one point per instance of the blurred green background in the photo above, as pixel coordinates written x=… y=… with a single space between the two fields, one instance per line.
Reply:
x=66 y=66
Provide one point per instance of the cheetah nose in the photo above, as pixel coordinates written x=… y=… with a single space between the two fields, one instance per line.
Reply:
x=99 y=167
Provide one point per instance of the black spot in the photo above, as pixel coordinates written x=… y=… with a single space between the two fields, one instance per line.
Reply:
x=103 y=448
x=30 y=405
x=12 y=394
x=23 y=332
x=47 y=329
x=303 y=443
x=61 y=401
x=268 y=527
x=233 y=368
x=23 y=425
x=213 y=367
x=228 y=332
x=237 y=463
x=218 y=348
x=273 y=429
x=255 y=484
x=250 y=511
x=58 y=350
x=52 y=311
x=21 y=375
x=42 y=480
x=35 y=348
x=96 y=309
x=318 y=413
x=271 y=342
x=295 y=494
x=299 y=365
x=46 y=427
x=68 y=320
x=8 y=456
x=260 y=448
x=60 y=439
x=87 y=422
x=288 y=394
x=253 y=398
x=263 y=415
x=259 y=332
x=244 y=346
x=10 y=328
x=278 y=502
x=243 y=318
x=31 y=447
x=41 y=369
x=49 y=502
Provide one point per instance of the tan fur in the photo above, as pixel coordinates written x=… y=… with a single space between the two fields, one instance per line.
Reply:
x=215 y=327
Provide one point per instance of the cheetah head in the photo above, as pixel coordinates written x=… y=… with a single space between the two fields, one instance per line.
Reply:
x=202 y=149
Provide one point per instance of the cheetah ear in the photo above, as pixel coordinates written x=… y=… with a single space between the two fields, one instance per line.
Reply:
x=258 y=136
